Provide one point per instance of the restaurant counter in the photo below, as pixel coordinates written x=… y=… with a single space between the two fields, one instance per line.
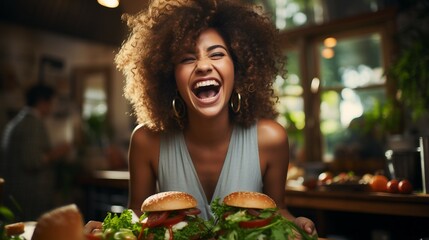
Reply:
x=361 y=214
x=364 y=214
x=415 y=205
x=104 y=191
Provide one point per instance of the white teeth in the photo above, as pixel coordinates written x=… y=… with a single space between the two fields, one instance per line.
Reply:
x=206 y=83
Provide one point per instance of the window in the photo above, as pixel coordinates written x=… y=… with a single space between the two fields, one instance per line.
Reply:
x=291 y=104
x=335 y=83
x=289 y=14
x=352 y=85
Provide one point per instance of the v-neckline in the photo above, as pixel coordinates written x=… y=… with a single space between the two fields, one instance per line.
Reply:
x=191 y=163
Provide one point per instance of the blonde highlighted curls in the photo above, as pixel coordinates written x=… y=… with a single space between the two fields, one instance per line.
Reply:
x=169 y=27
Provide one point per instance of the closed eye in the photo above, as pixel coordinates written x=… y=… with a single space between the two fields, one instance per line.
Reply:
x=217 y=55
x=186 y=60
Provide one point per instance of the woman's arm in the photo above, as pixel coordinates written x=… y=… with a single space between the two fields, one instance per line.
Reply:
x=274 y=156
x=143 y=158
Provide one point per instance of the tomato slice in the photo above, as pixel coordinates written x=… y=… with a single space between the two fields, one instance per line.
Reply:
x=190 y=211
x=155 y=218
x=256 y=223
x=173 y=220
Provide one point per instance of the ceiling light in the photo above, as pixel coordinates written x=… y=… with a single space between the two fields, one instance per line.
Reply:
x=328 y=53
x=109 y=3
x=330 y=42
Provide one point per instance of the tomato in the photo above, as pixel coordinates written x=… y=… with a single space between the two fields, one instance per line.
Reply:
x=173 y=220
x=392 y=186
x=378 y=183
x=256 y=223
x=405 y=187
x=156 y=218
x=190 y=211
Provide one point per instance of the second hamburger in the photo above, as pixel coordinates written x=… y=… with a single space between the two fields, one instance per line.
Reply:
x=253 y=215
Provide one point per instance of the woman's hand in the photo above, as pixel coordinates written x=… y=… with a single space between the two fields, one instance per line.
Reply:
x=93 y=227
x=306 y=224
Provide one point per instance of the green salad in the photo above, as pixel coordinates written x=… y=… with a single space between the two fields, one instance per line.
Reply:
x=228 y=223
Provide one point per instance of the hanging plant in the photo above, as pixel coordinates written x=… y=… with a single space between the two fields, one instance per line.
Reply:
x=410 y=70
x=411 y=73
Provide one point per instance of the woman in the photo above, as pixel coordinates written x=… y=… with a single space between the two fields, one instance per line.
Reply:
x=199 y=76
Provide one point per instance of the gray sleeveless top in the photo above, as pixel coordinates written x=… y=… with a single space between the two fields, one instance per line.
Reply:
x=240 y=172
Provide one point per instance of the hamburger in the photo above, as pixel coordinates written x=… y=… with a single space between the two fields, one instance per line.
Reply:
x=252 y=215
x=172 y=215
x=64 y=222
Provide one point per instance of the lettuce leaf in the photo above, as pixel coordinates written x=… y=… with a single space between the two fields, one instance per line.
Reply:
x=113 y=222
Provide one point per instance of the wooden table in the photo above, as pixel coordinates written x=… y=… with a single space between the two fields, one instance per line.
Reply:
x=361 y=214
x=416 y=205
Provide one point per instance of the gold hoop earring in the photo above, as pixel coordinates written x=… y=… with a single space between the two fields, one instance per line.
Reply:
x=178 y=107
x=235 y=107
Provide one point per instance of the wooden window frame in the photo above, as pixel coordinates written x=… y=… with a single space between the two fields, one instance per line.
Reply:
x=304 y=39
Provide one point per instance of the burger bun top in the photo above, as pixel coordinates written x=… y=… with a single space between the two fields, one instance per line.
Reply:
x=168 y=201
x=63 y=223
x=244 y=199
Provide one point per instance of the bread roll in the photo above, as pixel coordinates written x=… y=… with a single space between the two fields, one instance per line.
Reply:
x=63 y=223
x=168 y=201
x=14 y=229
x=245 y=199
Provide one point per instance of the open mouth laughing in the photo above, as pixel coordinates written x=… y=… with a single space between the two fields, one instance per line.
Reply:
x=206 y=89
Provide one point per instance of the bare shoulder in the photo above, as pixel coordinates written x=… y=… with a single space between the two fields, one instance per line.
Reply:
x=143 y=136
x=143 y=158
x=144 y=140
x=271 y=133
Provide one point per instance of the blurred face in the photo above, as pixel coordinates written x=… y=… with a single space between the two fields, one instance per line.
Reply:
x=205 y=75
x=45 y=107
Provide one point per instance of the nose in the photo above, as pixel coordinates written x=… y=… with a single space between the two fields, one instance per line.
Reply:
x=203 y=67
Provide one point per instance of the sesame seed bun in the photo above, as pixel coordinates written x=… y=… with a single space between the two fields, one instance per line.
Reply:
x=249 y=200
x=168 y=201
x=63 y=223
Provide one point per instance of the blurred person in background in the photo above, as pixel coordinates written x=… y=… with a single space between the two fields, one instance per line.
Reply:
x=28 y=156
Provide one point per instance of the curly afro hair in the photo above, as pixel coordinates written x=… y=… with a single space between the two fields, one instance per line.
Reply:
x=167 y=27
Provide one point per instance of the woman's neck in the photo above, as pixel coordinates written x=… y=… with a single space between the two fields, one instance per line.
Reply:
x=209 y=130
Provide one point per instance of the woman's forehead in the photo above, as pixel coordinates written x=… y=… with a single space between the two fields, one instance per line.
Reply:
x=203 y=41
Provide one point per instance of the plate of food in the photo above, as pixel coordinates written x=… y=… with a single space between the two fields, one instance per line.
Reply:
x=342 y=182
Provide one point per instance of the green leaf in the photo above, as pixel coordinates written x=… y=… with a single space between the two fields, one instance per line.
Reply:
x=7 y=213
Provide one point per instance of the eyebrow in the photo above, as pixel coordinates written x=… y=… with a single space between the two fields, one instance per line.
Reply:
x=216 y=46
